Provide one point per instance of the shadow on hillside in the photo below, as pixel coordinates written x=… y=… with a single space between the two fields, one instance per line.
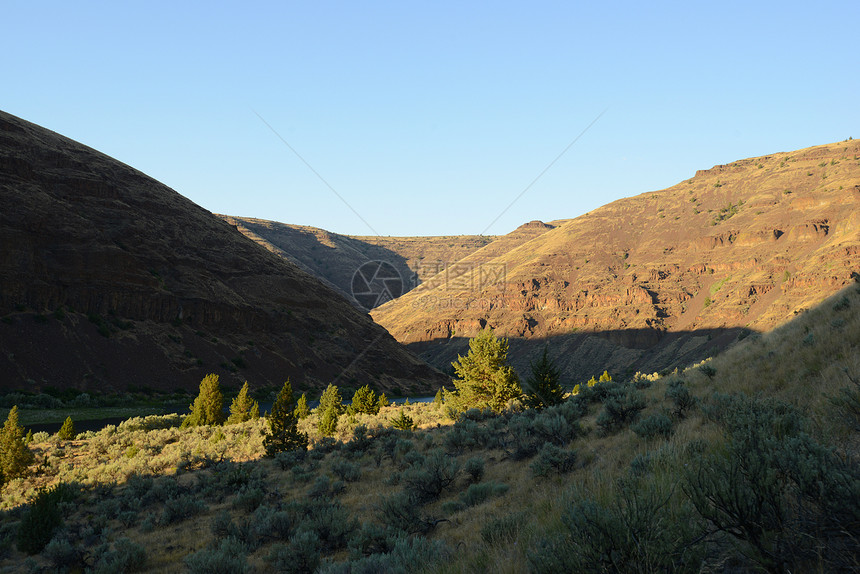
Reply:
x=336 y=259
x=581 y=355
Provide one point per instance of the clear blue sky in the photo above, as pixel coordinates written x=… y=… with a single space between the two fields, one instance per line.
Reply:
x=429 y=118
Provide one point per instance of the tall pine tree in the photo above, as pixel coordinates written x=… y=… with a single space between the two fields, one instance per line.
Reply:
x=484 y=379
x=284 y=434
x=543 y=387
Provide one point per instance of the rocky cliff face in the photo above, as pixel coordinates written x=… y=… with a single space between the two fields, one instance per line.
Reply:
x=661 y=279
x=109 y=279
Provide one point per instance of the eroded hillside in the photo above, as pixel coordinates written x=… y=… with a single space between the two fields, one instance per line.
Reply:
x=660 y=279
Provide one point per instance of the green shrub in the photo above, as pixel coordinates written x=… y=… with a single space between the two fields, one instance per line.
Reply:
x=300 y=556
x=249 y=497
x=553 y=458
x=427 y=480
x=788 y=501
x=402 y=511
x=680 y=396
x=654 y=426
x=62 y=553
x=638 y=528
x=372 y=539
x=180 y=508
x=43 y=517
x=347 y=471
x=126 y=556
x=481 y=492
x=620 y=408
x=329 y=521
x=474 y=467
x=847 y=404
x=229 y=557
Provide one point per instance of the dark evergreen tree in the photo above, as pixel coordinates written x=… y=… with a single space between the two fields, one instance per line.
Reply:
x=543 y=387
x=284 y=434
x=403 y=421
x=364 y=401
x=208 y=407
x=15 y=457
x=243 y=408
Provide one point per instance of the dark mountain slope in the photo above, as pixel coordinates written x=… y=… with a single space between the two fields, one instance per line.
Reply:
x=109 y=279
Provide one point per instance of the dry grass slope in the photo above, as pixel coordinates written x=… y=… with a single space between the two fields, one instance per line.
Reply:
x=507 y=493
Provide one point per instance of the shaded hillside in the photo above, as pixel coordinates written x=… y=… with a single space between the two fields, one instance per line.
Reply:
x=740 y=246
x=335 y=258
x=109 y=279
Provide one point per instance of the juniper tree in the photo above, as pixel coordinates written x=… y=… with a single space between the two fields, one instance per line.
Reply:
x=403 y=421
x=208 y=407
x=15 y=457
x=484 y=379
x=302 y=411
x=364 y=401
x=67 y=431
x=542 y=387
x=243 y=408
x=329 y=410
x=283 y=433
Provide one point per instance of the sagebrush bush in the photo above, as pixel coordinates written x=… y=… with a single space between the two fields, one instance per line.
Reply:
x=125 y=556
x=476 y=494
x=621 y=406
x=791 y=503
x=654 y=426
x=436 y=473
x=680 y=396
x=299 y=556
x=639 y=528
x=228 y=557
x=346 y=471
x=553 y=458
x=474 y=468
